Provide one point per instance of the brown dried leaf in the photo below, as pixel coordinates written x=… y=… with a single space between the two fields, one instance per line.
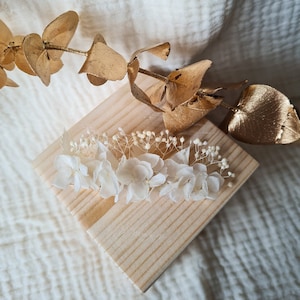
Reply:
x=95 y=80
x=38 y=59
x=186 y=115
x=11 y=83
x=5 y=38
x=3 y=78
x=104 y=62
x=184 y=83
x=138 y=93
x=9 y=67
x=161 y=50
x=264 y=116
x=60 y=32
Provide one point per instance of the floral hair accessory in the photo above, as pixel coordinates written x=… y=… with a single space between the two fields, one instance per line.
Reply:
x=142 y=164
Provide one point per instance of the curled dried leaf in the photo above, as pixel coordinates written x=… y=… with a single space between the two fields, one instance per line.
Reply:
x=161 y=50
x=184 y=83
x=104 y=62
x=189 y=113
x=138 y=93
x=60 y=32
x=264 y=116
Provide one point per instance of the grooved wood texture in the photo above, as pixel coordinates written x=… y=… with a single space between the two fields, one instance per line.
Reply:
x=143 y=238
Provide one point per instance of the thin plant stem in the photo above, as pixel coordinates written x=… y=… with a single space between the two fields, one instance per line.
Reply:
x=66 y=49
x=154 y=75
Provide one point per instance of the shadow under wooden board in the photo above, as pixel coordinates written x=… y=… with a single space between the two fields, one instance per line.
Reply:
x=143 y=238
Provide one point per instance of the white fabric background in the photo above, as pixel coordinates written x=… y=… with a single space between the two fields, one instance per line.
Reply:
x=249 y=251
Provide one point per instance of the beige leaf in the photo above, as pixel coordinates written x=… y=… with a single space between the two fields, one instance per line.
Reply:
x=11 y=83
x=9 y=67
x=38 y=59
x=104 y=62
x=3 y=78
x=186 y=115
x=95 y=80
x=138 y=93
x=20 y=58
x=5 y=38
x=60 y=32
x=184 y=83
x=161 y=50
x=264 y=116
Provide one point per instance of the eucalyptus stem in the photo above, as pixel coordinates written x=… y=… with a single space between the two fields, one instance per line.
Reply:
x=154 y=75
x=229 y=107
x=49 y=46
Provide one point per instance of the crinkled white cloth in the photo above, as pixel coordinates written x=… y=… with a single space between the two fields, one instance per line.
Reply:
x=251 y=248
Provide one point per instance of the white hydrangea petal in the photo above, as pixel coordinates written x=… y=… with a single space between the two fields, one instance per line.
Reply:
x=214 y=182
x=157 y=180
x=182 y=156
x=141 y=190
x=62 y=179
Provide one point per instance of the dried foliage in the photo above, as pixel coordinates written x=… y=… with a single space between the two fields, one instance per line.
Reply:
x=262 y=116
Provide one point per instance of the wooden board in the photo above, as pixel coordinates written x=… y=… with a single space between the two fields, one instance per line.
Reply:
x=143 y=238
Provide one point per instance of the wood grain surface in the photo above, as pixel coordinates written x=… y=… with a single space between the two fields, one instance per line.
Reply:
x=143 y=238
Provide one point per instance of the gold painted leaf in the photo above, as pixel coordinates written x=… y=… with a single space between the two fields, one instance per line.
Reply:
x=60 y=32
x=264 y=116
x=104 y=62
x=186 y=115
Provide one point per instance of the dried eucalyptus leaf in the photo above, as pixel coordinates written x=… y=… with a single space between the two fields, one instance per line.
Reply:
x=20 y=59
x=104 y=62
x=42 y=68
x=264 y=116
x=60 y=32
x=33 y=47
x=5 y=33
x=184 y=83
x=157 y=93
x=3 y=78
x=161 y=50
x=95 y=80
x=5 y=38
x=8 y=67
x=132 y=70
x=38 y=59
x=186 y=115
x=11 y=83
x=22 y=63
x=138 y=93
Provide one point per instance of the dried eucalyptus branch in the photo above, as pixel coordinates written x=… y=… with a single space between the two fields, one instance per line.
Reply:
x=179 y=96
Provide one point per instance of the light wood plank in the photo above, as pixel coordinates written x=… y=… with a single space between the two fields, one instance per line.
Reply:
x=143 y=238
